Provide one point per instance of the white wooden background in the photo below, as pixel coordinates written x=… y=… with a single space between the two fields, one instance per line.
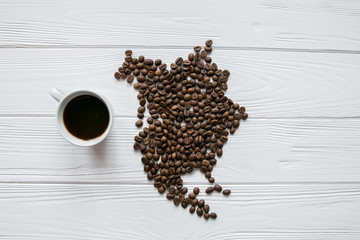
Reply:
x=293 y=166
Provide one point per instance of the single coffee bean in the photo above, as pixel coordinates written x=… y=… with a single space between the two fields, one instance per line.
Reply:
x=213 y=215
x=191 y=195
x=130 y=78
x=244 y=116
x=197 y=48
x=128 y=52
x=201 y=203
x=161 y=190
x=194 y=202
x=199 y=212
x=209 y=190
x=184 y=204
x=158 y=62
x=211 y=180
x=184 y=190
x=196 y=190
x=117 y=75
x=208 y=43
x=218 y=188
x=192 y=209
x=170 y=196
x=179 y=61
x=176 y=201
x=206 y=208
x=206 y=216
x=226 y=192
x=148 y=61
x=139 y=123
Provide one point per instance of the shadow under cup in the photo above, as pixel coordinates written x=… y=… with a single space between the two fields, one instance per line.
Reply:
x=84 y=118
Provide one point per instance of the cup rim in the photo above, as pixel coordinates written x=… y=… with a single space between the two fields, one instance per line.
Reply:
x=60 y=122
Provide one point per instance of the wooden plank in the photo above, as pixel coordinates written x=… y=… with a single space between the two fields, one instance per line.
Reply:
x=260 y=24
x=269 y=84
x=300 y=211
x=286 y=150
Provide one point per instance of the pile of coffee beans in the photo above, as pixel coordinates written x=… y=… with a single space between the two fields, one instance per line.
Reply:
x=190 y=121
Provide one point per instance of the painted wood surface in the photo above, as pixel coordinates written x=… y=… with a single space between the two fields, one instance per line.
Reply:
x=293 y=166
x=309 y=25
x=262 y=150
x=269 y=84
x=259 y=211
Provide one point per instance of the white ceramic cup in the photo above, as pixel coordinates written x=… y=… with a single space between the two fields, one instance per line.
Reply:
x=63 y=100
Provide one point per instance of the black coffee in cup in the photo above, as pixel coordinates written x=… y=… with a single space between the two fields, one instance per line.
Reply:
x=86 y=117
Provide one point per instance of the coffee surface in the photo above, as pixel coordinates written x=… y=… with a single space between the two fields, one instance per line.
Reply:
x=86 y=117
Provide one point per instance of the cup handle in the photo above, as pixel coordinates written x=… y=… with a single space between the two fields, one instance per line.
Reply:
x=57 y=94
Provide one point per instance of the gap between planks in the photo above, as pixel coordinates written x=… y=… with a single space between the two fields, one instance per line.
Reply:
x=41 y=115
x=258 y=49
x=200 y=184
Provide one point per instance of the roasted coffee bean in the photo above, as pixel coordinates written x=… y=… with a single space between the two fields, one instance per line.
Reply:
x=209 y=42
x=117 y=75
x=191 y=195
x=197 y=48
x=206 y=208
x=201 y=203
x=170 y=196
x=128 y=52
x=184 y=204
x=196 y=190
x=130 y=79
x=139 y=123
x=194 y=202
x=244 y=116
x=211 y=180
x=199 y=212
x=179 y=61
x=206 y=216
x=213 y=215
x=184 y=190
x=209 y=190
x=226 y=192
x=161 y=190
x=218 y=188
x=192 y=209
x=176 y=201
x=148 y=61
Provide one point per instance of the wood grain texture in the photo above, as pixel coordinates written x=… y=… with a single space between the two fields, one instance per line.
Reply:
x=269 y=84
x=78 y=211
x=261 y=24
x=287 y=150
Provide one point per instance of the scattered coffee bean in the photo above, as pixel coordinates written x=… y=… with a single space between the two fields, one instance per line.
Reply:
x=139 y=123
x=209 y=42
x=206 y=208
x=170 y=196
x=199 y=212
x=128 y=52
x=117 y=75
x=226 y=192
x=218 y=188
x=190 y=120
x=213 y=215
x=201 y=203
x=192 y=195
x=209 y=190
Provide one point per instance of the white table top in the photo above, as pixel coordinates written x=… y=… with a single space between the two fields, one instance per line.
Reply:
x=293 y=166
